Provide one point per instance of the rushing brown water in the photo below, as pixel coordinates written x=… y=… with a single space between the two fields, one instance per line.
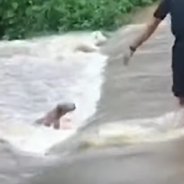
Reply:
x=143 y=90
x=138 y=97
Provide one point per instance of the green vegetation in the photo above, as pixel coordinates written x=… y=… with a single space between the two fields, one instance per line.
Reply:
x=24 y=18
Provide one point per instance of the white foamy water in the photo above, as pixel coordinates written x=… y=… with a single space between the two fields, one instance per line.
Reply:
x=166 y=127
x=35 y=76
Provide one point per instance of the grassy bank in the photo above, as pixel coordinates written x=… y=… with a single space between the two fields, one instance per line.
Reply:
x=24 y=18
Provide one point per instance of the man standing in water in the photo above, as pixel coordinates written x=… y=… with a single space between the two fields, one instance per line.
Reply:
x=176 y=9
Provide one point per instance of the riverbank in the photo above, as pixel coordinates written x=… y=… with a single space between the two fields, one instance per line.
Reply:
x=22 y=20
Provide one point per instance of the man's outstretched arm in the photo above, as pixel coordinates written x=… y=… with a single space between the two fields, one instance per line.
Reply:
x=147 y=32
x=160 y=13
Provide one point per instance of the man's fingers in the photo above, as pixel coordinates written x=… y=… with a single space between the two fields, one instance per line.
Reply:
x=126 y=60
x=127 y=57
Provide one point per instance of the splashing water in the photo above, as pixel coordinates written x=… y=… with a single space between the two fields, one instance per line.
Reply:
x=38 y=74
x=163 y=128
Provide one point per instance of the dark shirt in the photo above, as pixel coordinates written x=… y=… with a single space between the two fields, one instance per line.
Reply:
x=176 y=9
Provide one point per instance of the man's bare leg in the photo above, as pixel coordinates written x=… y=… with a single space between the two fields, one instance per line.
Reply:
x=53 y=116
x=181 y=101
x=181 y=111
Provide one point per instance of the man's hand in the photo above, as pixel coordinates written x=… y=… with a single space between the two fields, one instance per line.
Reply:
x=150 y=27
x=127 y=56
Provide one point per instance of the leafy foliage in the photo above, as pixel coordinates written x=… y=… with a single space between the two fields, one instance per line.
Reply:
x=22 y=18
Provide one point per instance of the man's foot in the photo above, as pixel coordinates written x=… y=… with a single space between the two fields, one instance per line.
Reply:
x=181 y=101
x=53 y=117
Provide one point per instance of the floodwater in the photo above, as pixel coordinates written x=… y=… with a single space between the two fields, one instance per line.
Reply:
x=136 y=102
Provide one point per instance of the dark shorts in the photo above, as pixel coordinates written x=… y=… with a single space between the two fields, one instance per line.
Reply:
x=178 y=70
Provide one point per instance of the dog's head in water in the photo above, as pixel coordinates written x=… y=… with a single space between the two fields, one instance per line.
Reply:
x=64 y=108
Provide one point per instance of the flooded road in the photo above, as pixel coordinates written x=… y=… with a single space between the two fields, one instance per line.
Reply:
x=139 y=95
x=143 y=89
x=136 y=101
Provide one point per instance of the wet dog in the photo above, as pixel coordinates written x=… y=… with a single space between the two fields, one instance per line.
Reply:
x=53 y=117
